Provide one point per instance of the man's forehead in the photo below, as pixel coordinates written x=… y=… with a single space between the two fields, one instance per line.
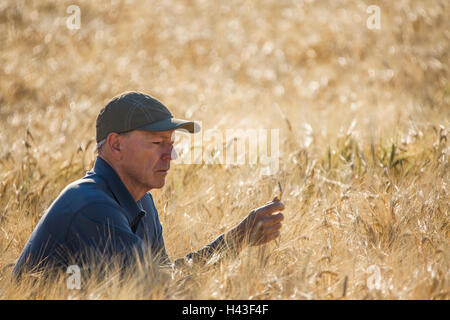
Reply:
x=160 y=134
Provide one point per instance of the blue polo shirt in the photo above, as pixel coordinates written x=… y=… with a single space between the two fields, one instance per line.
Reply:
x=94 y=219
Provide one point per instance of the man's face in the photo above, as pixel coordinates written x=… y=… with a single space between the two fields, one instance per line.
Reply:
x=146 y=157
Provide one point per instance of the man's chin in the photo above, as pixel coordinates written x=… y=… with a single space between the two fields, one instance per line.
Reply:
x=157 y=181
x=159 y=184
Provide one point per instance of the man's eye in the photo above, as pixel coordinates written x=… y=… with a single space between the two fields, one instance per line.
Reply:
x=157 y=142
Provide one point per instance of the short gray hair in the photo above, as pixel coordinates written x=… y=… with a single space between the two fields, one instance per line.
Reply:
x=100 y=145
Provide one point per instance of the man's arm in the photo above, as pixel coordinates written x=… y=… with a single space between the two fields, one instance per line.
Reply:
x=259 y=227
x=216 y=248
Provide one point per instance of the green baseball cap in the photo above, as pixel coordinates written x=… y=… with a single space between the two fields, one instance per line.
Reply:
x=138 y=111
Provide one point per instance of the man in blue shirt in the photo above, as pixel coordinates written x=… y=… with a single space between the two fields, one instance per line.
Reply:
x=110 y=215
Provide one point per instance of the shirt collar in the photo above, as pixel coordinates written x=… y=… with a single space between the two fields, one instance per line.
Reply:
x=120 y=192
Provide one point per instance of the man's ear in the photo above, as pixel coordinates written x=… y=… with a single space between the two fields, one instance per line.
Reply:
x=113 y=141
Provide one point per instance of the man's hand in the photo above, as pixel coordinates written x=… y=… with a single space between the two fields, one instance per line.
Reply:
x=259 y=227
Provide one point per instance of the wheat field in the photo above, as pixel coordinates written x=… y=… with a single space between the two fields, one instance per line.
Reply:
x=363 y=117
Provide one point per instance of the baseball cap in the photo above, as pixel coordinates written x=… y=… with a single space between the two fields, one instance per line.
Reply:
x=138 y=111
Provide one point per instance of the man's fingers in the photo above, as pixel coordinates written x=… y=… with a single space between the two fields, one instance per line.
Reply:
x=273 y=228
x=263 y=222
x=268 y=237
x=266 y=232
x=270 y=208
x=273 y=219
x=262 y=225
x=273 y=235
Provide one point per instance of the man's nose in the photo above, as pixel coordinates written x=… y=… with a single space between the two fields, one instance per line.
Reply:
x=170 y=154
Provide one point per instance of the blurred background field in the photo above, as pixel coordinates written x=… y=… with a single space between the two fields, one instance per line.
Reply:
x=363 y=116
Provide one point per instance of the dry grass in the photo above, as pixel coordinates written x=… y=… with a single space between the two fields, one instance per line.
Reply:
x=363 y=118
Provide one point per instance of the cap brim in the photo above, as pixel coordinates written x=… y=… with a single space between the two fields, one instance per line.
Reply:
x=172 y=124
